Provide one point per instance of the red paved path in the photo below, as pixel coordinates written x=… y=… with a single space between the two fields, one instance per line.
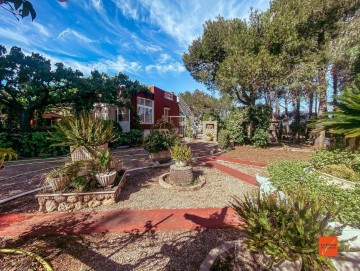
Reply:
x=116 y=221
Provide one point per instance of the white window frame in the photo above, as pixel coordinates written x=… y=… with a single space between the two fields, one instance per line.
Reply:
x=167 y=114
x=169 y=96
x=142 y=121
x=118 y=110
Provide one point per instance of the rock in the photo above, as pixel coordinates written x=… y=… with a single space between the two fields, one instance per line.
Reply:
x=94 y=203
x=50 y=205
x=100 y=197
x=72 y=199
x=64 y=206
x=79 y=205
x=107 y=196
x=108 y=201
x=42 y=208
x=87 y=198
x=60 y=199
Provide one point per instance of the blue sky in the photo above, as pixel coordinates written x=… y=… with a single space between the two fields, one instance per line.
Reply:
x=144 y=39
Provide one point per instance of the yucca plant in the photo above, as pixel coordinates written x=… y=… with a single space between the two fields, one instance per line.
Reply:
x=181 y=153
x=288 y=228
x=103 y=159
x=346 y=119
x=84 y=130
x=6 y=152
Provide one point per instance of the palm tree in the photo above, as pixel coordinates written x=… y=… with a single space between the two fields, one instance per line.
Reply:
x=346 y=119
x=6 y=152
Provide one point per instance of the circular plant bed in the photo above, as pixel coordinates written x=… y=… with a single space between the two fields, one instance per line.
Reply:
x=196 y=184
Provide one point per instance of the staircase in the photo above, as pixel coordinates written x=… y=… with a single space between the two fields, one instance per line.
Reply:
x=186 y=111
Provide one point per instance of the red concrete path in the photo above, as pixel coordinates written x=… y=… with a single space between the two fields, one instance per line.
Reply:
x=116 y=221
x=232 y=172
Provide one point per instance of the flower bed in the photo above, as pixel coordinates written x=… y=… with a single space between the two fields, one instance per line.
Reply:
x=52 y=202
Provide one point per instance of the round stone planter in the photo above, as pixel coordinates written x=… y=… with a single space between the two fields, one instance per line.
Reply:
x=106 y=179
x=181 y=176
x=162 y=181
x=59 y=183
x=181 y=163
x=161 y=157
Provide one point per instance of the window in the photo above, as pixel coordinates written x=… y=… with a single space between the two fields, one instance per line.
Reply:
x=169 y=96
x=145 y=110
x=123 y=114
x=166 y=112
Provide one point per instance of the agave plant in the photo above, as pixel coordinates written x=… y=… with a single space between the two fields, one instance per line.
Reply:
x=84 y=130
x=346 y=119
x=6 y=152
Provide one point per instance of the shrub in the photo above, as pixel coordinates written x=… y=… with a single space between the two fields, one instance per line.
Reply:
x=260 y=138
x=6 y=153
x=132 y=138
x=84 y=130
x=290 y=176
x=321 y=158
x=341 y=171
x=235 y=124
x=224 y=139
x=158 y=141
x=181 y=153
x=288 y=228
x=355 y=163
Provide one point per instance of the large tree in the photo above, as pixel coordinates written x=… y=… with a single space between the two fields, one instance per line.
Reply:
x=19 y=8
x=28 y=83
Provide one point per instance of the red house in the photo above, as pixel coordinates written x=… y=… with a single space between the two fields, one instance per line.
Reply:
x=150 y=108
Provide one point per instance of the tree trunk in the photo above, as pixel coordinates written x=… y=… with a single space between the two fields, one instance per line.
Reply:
x=335 y=84
x=25 y=117
x=320 y=139
x=287 y=117
x=311 y=104
x=297 y=119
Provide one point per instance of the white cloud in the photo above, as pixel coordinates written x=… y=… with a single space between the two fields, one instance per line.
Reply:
x=164 y=58
x=70 y=32
x=152 y=48
x=176 y=67
x=127 y=8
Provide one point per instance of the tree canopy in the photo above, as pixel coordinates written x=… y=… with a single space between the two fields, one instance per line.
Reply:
x=19 y=8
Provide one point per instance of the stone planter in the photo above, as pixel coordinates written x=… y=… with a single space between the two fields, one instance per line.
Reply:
x=106 y=179
x=181 y=176
x=162 y=157
x=115 y=165
x=208 y=138
x=53 y=202
x=58 y=183
x=181 y=163
x=81 y=153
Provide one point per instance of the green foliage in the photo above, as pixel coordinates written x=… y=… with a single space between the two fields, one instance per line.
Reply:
x=323 y=157
x=288 y=228
x=290 y=176
x=6 y=153
x=79 y=184
x=31 y=144
x=235 y=124
x=132 y=138
x=224 y=139
x=260 y=138
x=161 y=140
x=19 y=8
x=341 y=171
x=103 y=159
x=83 y=131
x=346 y=119
x=260 y=115
x=181 y=152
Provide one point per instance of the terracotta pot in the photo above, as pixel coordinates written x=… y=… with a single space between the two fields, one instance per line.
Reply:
x=58 y=183
x=106 y=179
x=163 y=156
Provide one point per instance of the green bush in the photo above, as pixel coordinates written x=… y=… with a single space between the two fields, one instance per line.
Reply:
x=290 y=176
x=158 y=141
x=32 y=144
x=224 y=139
x=235 y=123
x=288 y=228
x=341 y=171
x=181 y=152
x=260 y=138
x=321 y=158
x=355 y=163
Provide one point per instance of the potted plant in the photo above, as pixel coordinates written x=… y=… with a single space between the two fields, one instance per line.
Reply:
x=85 y=135
x=159 y=142
x=115 y=164
x=181 y=154
x=105 y=177
x=58 y=178
x=209 y=136
x=285 y=230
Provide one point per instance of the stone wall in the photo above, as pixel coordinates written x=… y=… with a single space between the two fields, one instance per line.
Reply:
x=76 y=201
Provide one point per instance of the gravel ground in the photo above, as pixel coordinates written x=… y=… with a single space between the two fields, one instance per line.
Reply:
x=142 y=191
x=171 y=250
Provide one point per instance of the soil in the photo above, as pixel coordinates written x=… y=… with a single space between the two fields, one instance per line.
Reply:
x=268 y=155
